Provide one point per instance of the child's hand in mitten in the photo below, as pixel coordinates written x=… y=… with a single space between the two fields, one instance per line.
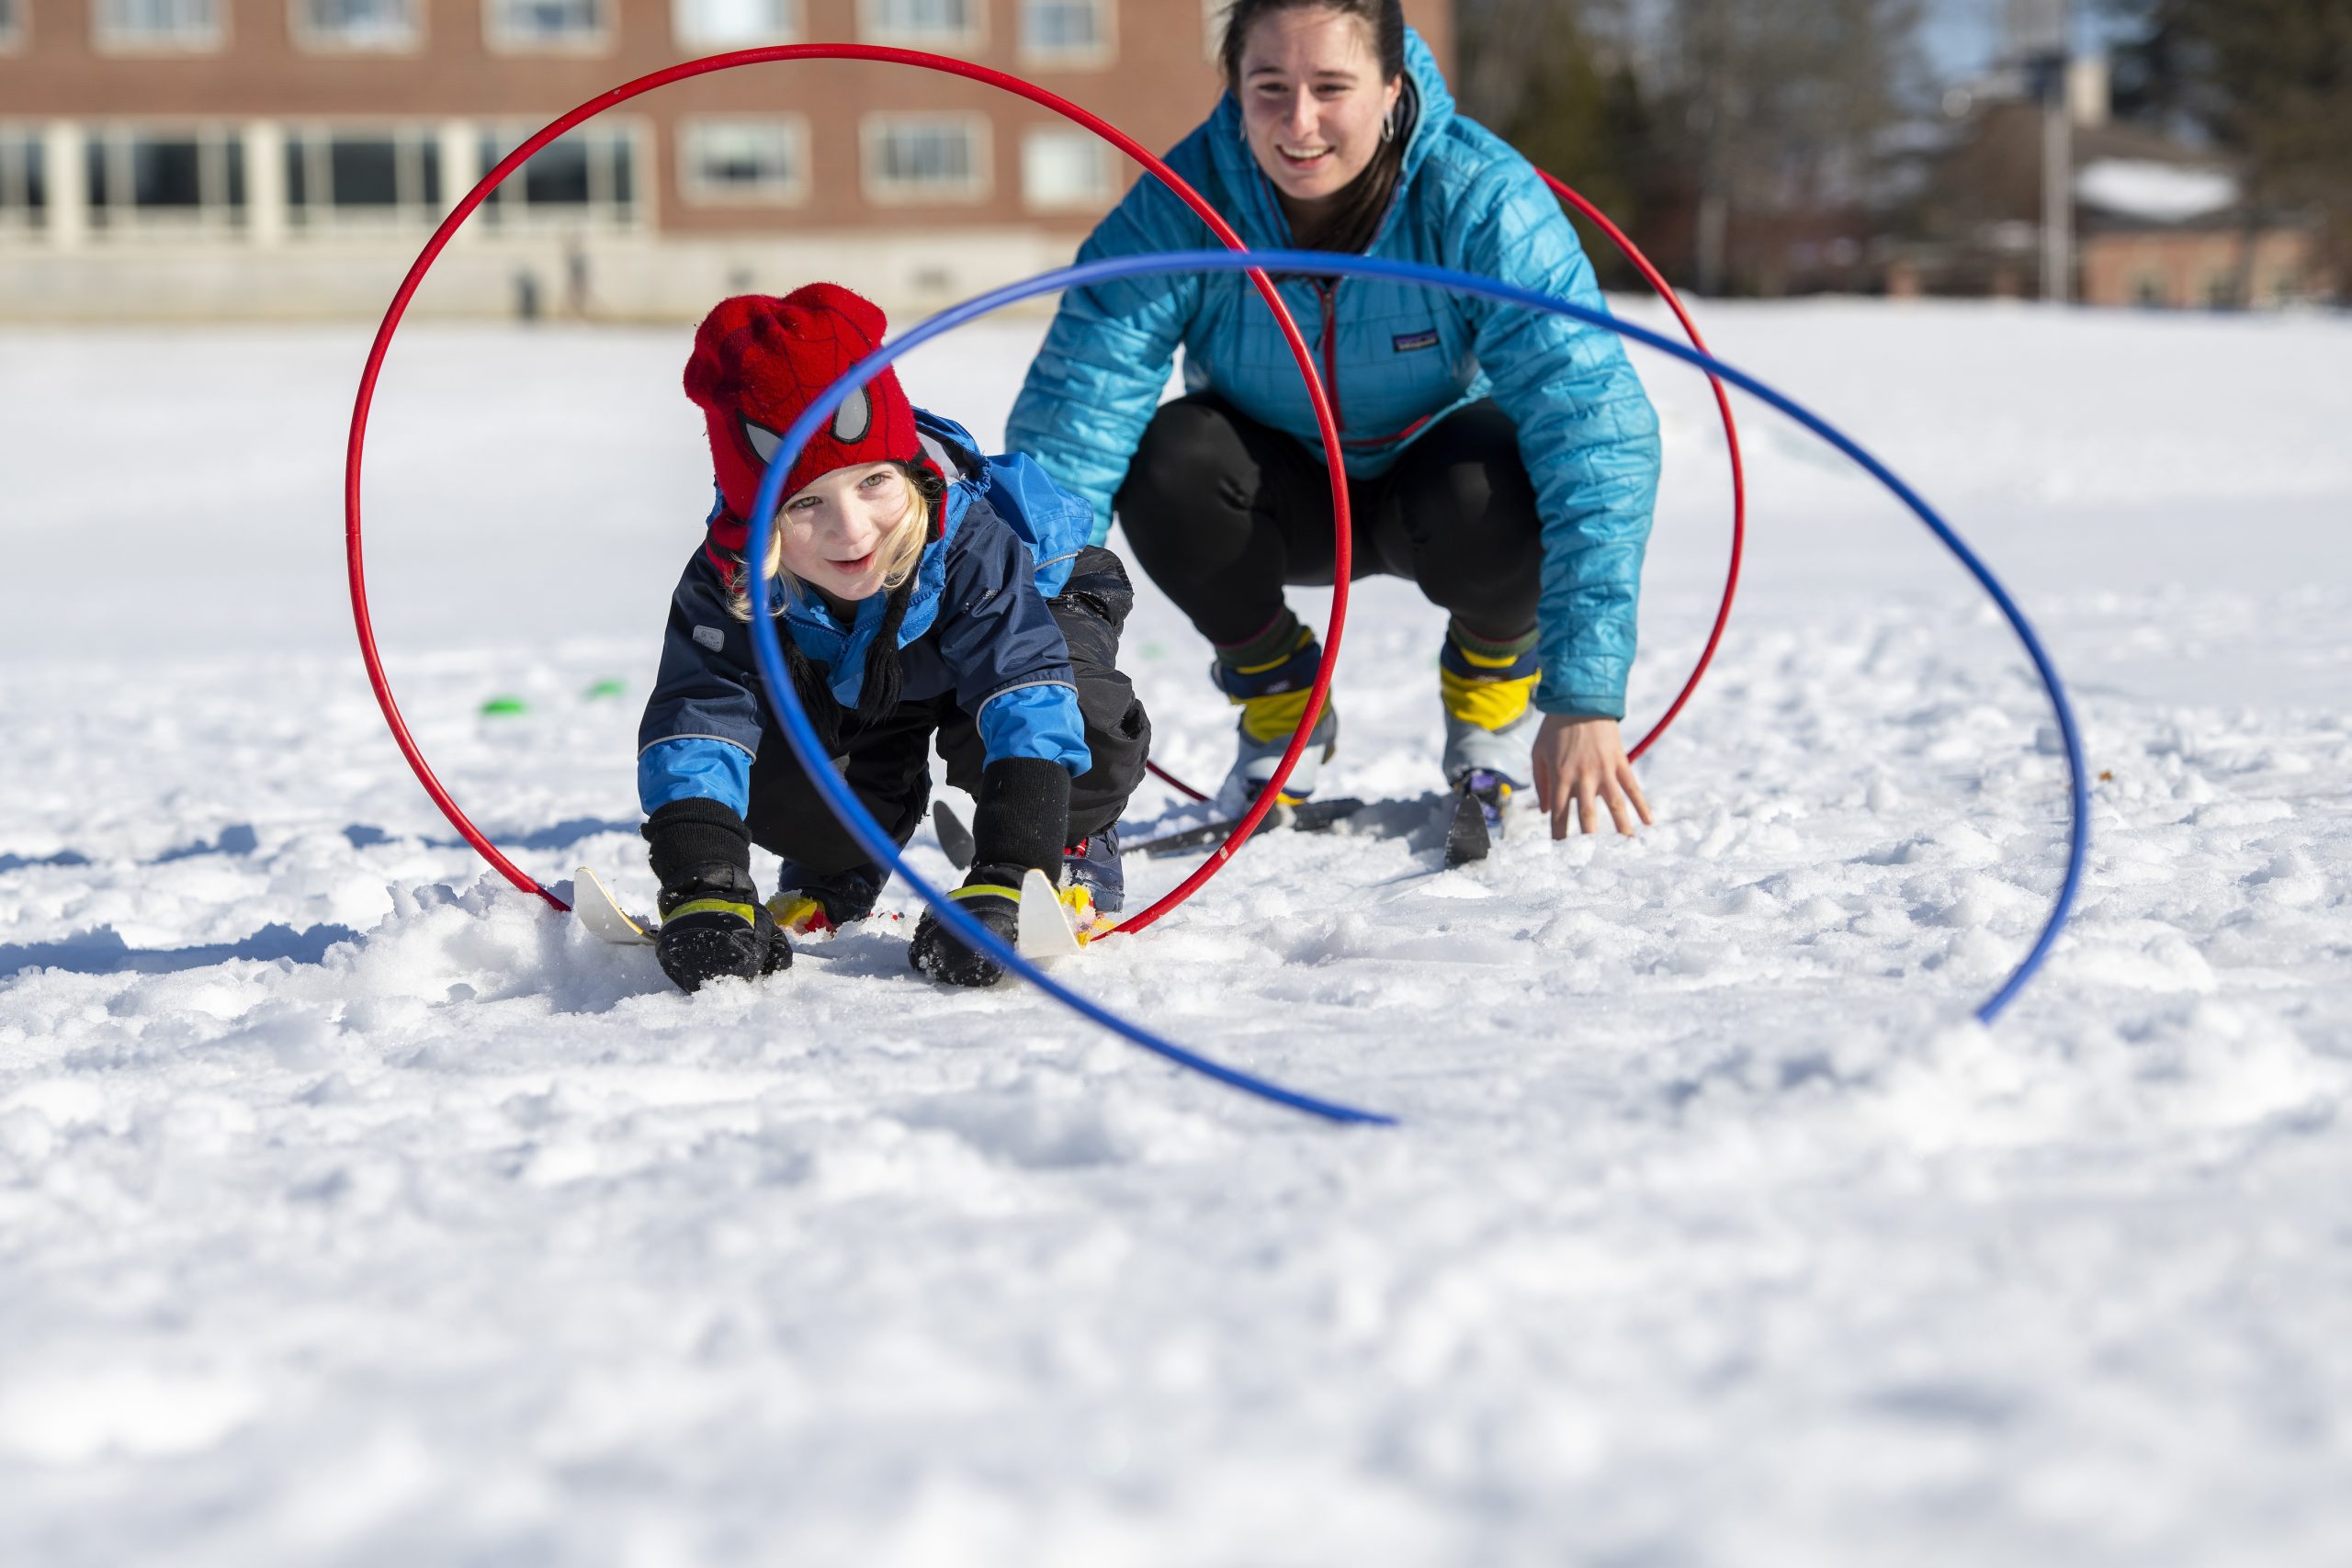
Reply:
x=718 y=932
x=990 y=895
x=713 y=925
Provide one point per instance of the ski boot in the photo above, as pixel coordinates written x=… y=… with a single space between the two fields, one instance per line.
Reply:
x=1486 y=689
x=1270 y=679
x=808 y=905
x=1093 y=863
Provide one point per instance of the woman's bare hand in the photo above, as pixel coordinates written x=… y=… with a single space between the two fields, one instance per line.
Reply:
x=1579 y=763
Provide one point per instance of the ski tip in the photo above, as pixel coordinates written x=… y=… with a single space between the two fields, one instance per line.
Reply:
x=1044 y=925
x=1468 y=837
x=595 y=906
x=955 y=839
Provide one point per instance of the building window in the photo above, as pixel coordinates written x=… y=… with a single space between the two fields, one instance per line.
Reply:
x=341 y=178
x=23 y=193
x=1067 y=32
x=743 y=162
x=1066 y=169
x=553 y=26
x=12 y=25
x=165 y=181
x=922 y=22
x=735 y=24
x=587 y=174
x=359 y=25
x=161 y=25
x=913 y=158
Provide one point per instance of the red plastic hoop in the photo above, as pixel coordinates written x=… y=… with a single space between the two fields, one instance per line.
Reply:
x=355 y=450
x=1665 y=291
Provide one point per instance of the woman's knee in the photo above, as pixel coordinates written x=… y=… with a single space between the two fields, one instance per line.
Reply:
x=1193 y=449
x=1477 y=536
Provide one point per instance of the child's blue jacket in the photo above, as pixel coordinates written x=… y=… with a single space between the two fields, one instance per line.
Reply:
x=1395 y=356
x=976 y=628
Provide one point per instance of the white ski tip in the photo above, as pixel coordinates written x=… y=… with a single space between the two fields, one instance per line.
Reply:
x=598 y=910
x=1044 y=925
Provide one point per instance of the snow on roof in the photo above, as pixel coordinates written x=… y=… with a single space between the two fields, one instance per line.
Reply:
x=2159 y=193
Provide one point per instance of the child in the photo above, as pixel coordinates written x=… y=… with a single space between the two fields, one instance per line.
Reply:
x=923 y=592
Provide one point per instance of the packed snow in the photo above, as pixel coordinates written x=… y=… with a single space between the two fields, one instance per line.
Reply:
x=358 y=1209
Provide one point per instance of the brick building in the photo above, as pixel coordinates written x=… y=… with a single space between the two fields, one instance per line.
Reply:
x=2157 y=223
x=276 y=158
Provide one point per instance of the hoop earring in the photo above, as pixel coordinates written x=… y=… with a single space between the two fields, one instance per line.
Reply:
x=1388 y=126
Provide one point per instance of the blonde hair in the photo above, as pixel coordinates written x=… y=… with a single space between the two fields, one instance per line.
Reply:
x=900 y=553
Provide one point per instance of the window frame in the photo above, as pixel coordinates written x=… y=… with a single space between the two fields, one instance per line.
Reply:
x=1099 y=201
x=21 y=216
x=874 y=128
x=974 y=35
x=796 y=27
x=509 y=210
x=1099 y=55
x=108 y=40
x=221 y=151
x=308 y=39
x=694 y=191
x=312 y=139
x=498 y=40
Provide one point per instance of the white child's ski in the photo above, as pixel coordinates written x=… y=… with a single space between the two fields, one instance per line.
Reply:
x=1045 y=928
x=603 y=915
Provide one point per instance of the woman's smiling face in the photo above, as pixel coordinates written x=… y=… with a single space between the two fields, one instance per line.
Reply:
x=1312 y=99
x=835 y=534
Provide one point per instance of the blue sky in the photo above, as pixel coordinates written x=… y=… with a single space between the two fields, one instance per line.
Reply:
x=1964 y=35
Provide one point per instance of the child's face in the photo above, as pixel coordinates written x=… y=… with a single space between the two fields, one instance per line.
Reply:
x=835 y=533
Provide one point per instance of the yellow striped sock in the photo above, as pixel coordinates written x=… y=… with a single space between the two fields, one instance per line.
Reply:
x=1489 y=704
x=1272 y=717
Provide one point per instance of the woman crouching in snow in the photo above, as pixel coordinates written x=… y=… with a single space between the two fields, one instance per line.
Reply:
x=925 y=591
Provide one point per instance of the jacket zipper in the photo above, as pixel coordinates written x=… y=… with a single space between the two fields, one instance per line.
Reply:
x=1328 y=289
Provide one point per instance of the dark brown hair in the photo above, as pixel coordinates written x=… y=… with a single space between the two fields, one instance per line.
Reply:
x=1358 y=208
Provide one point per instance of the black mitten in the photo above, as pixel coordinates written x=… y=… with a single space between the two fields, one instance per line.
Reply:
x=1020 y=821
x=713 y=924
x=715 y=934
x=990 y=895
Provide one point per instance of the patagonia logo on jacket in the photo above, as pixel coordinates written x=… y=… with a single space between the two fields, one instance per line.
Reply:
x=1405 y=342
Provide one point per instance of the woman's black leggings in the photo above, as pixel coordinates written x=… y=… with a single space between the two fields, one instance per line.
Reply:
x=1222 y=512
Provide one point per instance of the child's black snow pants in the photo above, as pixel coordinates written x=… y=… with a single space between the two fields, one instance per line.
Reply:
x=888 y=761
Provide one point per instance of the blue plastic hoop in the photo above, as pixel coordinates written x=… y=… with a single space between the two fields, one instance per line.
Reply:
x=860 y=823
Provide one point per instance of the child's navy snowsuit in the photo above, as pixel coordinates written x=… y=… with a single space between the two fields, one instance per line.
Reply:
x=1004 y=653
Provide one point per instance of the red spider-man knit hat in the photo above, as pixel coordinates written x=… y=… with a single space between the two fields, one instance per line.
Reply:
x=758 y=362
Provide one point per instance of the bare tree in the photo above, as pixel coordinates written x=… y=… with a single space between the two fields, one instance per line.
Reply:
x=1696 y=114
x=1780 y=105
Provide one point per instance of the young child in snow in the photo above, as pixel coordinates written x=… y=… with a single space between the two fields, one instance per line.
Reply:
x=925 y=592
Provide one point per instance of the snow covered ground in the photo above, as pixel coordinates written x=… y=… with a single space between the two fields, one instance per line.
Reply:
x=355 y=1209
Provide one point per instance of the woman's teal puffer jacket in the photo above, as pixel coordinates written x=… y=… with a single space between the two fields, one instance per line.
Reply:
x=1397 y=356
